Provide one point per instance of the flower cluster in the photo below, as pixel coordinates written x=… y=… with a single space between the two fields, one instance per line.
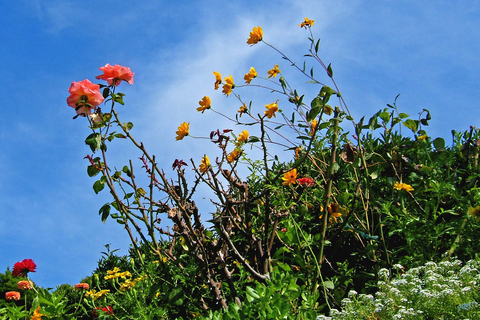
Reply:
x=96 y=295
x=402 y=186
x=115 y=273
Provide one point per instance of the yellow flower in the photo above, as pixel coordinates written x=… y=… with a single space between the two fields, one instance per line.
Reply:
x=327 y=109
x=243 y=136
x=96 y=295
x=402 y=186
x=232 y=156
x=229 y=85
x=255 y=36
x=115 y=270
x=274 y=71
x=297 y=153
x=307 y=23
x=250 y=75
x=243 y=109
x=271 y=109
x=182 y=131
x=205 y=104
x=37 y=315
x=313 y=125
x=474 y=212
x=422 y=137
x=334 y=211
x=205 y=164
x=290 y=177
x=218 y=79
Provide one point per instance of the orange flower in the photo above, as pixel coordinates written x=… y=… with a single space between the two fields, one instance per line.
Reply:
x=250 y=75
x=86 y=92
x=205 y=164
x=243 y=109
x=307 y=23
x=232 y=156
x=205 y=104
x=37 y=315
x=84 y=286
x=115 y=74
x=273 y=72
x=183 y=131
x=402 y=186
x=228 y=86
x=334 y=211
x=24 y=285
x=218 y=79
x=297 y=153
x=290 y=177
x=255 y=36
x=243 y=136
x=313 y=124
x=12 y=295
x=271 y=109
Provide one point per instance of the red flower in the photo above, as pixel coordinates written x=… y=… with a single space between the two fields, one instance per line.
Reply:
x=283 y=230
x=305 y=182
x=82 y=285
x=23 y=267
x=12 y=295
x=115 y=74
x=108 y=310
x=87 y=91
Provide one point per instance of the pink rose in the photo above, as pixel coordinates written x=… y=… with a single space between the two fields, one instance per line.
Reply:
x=115 y=74
x=87 y=90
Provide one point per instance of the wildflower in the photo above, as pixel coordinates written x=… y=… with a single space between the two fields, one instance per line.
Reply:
x=86 y=92
x=283 y=230
x=115 y=74
x=24 y=285
x=243 y=109
x=205 y=164
x=271 y=109
x=297 y=152
x=334 y=211
x=243 y=136
x=307 y=23
x=218 y=79
x=22 y=268
x=250 y=75
x=305 y=182
x=182 y=131
x=37 y=315
x=232 y=156
x=474 y=212
x=228 y=86
x=422 y=137
x=96 y=295
x=108 y=310
x=12 y=295
x=84 y=286
x=313 y=125
x=273 y=72
x=256 y=35
x=205 y=104
x=402 y=186
x=128 y=284
x=327 y=109
x=290 y=177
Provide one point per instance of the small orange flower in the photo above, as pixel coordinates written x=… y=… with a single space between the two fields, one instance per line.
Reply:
x=313 y=125
x=250 y=75
x=290 y=177
x=422 y=137
x=273 y=72
x=334 y=211
x=24 y=285
x=205 y=164
x=255 y=36
x=84 y=286
x=205 y=104
x=243 y=136
x=228 y=86
x=37 y=315
x=271 y=109
x=183 y=131
x=307 y=23
x=232 y=156
x=243 y=109
x=12 y=295
x=218 y=79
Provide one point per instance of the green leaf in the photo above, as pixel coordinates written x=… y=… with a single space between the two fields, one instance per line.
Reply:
x=98 y=186
x=329 y=285
x=403 y=115
x=176 y=296
x=92 y=171
x=252 y=293
x=94 y=141
x=104 y=211
x=330 y=70
x=385 y=116
x=411 y=124
x=317 y=46
x=439 y=144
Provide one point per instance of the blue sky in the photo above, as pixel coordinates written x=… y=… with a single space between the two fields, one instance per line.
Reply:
x=427 y=51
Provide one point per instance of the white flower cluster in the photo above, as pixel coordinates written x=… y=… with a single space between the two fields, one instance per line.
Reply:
x=446 y=290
